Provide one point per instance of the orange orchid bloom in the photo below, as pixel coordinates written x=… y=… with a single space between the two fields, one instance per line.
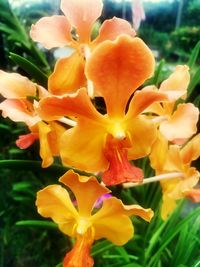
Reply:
x=19 y=106
x=177 y=124
x=174 y=158
x=107 y=142
x=111 y=221
x=55 y=31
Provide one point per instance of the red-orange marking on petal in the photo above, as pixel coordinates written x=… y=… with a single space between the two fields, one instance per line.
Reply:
x=26 y=140
x=120 y=169
x=79 y=256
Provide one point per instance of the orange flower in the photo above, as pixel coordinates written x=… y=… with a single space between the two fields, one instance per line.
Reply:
x=177 y=124
x=111 y=221
x=106 y=142
x=20 y=106
x=55 y=31
x=174 y=158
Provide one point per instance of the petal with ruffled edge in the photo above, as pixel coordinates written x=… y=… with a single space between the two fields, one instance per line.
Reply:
x=117 y=68
x=142 y=100
x=177 y=83
x=68 y=75
x=112 y=221
x=82 y=14
x=182 y=123
x=191 y=151
x=77 y=105
x=54 y=31
x=54 y=201
x=19 y=111
x=87 y=190
x=142 y=133
x=84 y=145
x=112 y=28
x=14 y=85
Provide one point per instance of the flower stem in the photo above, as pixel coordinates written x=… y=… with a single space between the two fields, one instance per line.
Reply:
x=157 y=178
x=68 y=122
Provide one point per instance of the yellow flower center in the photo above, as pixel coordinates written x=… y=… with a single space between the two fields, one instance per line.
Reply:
x=83 y=225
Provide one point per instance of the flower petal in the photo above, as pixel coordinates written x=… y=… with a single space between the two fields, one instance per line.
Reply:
x=87 y=190
x=26 y=140
x=79 y=256
x=142 y=100
x=45 y=150
x=112 y=28
x=193 y=194
x=191 y=151
x=112 y=223
x=53 y=201
x=84 y=145
x=54 y=31
x=19 y=111
x=13 y=85
x=82 y=14
x=117 y=68
x=141 y=141
x=77 y=105
x=177 y=83
x=68 y=75
x=182 y=123
x=160 y=147
x=120 y=169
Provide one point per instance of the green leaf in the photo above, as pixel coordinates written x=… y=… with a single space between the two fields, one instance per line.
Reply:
x=194 y=55
x=37 y=223
x=101 y=246
x=31 y=69
x=158 y=72
x=193 y=83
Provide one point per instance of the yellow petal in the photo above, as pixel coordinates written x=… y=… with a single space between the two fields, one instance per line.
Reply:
x=45 y=150
x=191 y=151
x=177 y=83
x=114 y=76
x=158 y=153
x=182 y=123
x=112 y=223
x=141 y=141
x=54 y=202
x=68 y=75
x=86 y=190
x=168 y=206
x=54 y=31
x=84 y=143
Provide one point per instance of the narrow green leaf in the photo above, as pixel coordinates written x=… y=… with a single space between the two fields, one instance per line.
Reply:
x=33 y=165
x=101 y=246
x=30 y=68
x=37 y=223
x=193 y=83
x=158 y=72
x=194 y=55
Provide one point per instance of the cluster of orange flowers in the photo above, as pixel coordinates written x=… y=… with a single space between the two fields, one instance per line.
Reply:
x=135 y=124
